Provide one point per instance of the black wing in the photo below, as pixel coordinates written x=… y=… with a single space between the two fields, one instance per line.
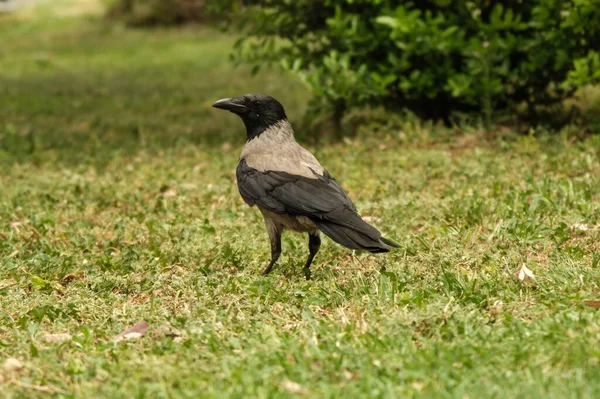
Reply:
x=321 y=199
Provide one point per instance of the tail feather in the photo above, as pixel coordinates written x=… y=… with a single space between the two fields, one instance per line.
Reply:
x=353 y=239
x=389 y=242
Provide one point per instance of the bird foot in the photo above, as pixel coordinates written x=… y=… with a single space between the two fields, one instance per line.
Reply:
x=267 y=270
x=306 y=271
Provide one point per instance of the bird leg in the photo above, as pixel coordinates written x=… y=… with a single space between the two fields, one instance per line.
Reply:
x=275 y=238
x=314 y=243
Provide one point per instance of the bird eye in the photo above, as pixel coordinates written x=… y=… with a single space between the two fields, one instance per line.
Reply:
x=257 y=102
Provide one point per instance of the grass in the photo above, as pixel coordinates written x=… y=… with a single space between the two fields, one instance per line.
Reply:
x=73 y=88
x=119 y=205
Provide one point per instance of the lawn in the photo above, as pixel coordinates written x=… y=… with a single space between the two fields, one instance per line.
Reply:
x=118 y=205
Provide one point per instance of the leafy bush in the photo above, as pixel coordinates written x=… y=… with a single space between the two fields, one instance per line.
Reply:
x=169 y=12
x=434 y=57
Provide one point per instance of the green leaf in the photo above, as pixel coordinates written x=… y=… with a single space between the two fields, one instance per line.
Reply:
x=387 y=21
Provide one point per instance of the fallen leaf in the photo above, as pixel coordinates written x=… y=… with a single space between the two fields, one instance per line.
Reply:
x=348 y=375
x=581 y=227
x=293 y=387
x=57 y=338
x=169 y=193
x=133 y=332
x=12 y=365
x=68 y=278
x=524 y=275
x=592 y=303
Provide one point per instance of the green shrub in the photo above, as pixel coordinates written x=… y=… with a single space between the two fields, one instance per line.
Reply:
x=434 y=57
x=169 y=12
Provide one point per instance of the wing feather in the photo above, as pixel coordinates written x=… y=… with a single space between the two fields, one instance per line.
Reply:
x=321 y=199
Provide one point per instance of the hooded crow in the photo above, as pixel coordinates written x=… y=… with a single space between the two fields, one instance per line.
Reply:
x=290 y=187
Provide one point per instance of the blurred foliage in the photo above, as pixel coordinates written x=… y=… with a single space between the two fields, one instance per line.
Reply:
x=169 y=12
x=437 y=58
x=74 y=90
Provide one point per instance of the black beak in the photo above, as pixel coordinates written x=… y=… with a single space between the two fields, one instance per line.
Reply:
x=231 y=104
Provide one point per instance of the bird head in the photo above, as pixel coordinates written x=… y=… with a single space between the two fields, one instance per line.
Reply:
x=258 y=111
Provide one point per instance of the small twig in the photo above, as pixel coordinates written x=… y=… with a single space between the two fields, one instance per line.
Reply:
x=33 y=231
x=354 y=257
x=41 y=388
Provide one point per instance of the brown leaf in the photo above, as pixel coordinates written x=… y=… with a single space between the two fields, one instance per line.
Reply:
x=592 y=303
x=134 y=332
x=68 y=278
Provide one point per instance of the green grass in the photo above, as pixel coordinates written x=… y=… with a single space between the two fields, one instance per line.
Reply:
x=118 y=204
x=72 y=89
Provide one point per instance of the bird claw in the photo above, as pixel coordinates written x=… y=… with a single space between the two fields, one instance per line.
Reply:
x=306 y=271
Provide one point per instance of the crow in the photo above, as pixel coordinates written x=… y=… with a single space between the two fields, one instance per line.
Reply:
x=290 y=187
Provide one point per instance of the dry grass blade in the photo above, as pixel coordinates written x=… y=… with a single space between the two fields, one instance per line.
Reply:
x=42 y=388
